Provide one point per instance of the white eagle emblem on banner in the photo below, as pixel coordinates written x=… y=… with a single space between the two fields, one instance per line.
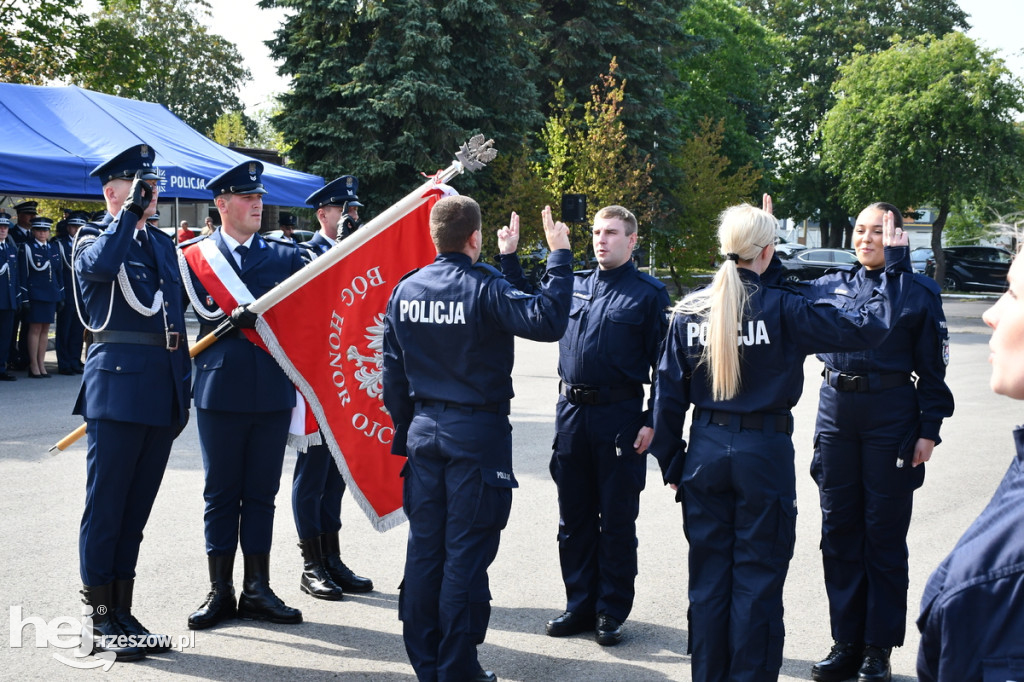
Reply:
x=370 y=368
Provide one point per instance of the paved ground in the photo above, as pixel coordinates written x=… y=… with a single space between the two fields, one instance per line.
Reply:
x=359 y=638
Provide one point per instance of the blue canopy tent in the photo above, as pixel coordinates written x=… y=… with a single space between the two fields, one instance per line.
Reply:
x=53 y=136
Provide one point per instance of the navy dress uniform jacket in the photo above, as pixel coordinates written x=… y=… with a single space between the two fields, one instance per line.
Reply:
x=233 y=374
x=145 y=384
x=10 y=295
x=41 y=272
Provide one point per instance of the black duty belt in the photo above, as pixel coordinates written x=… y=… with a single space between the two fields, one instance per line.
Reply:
x=493 y=408
x=170 y=341
x=865 y=383
x=599 y=395
x=760 y=421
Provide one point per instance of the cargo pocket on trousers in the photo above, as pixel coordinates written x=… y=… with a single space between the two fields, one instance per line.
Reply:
x=495 y=498
x=785 y=538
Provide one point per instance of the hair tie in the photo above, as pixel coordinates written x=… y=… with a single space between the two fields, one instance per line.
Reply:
x=734 y=257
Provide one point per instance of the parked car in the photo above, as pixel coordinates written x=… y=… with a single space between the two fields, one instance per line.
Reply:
x=974 y=268
x=813 y=263
x=298 y=236
x=919 y=259
x=786 y=249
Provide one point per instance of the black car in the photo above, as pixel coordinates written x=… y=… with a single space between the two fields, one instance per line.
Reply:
x=974 y=268
x=813 y=263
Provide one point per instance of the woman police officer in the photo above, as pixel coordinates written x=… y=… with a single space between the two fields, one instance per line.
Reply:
x=876 y=426
x=735 y=351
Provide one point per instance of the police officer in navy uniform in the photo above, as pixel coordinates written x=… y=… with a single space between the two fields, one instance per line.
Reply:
x=42 y=293
x=879 y=416
x=21 y=233
x=135 y=388
x=972 y=609
x=243 y=405
x=448 y=355
x=616 y=324
x=317 y=485
x=10 y=293
x=286 y=221
x=735 y=351
x=70 y=332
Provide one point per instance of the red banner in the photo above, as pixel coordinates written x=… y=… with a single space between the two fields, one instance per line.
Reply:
x=328 y=336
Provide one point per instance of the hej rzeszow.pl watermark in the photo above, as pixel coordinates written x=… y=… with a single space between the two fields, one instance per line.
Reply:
x=67 y=633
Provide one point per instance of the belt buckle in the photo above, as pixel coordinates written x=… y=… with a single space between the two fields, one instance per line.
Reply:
x=173 y=340
x=849 y=382
x=582 y=396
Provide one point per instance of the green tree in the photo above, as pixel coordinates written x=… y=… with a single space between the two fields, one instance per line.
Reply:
x=729 y=77
x=579 y=39
x=385 y=90
x=711 y=186
x=174 y=60
x=592 y=155
x=928 y=121
x=233 y=129
x=39 y=38
x=821 y=35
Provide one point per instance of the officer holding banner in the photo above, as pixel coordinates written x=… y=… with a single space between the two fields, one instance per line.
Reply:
x=243 y=398
x=134 y=394
x=317 y=485
x=448 y=354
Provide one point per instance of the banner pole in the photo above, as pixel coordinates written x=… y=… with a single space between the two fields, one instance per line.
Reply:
x=472 y=156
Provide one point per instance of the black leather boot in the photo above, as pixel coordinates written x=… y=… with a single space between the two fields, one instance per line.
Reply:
x=842 y=663
x=107 y=633
x=315 y=582
x=220 y=602
x=340 y=573
x=875 y=667
x=153 y=644
x=258 y=601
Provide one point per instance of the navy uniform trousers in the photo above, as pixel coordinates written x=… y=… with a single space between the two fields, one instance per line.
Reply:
x=124 y=466
x=457 y=504
x=742 y=479
x=317 y=489
x=243 y=453
x=596 y=470
x=866 y=504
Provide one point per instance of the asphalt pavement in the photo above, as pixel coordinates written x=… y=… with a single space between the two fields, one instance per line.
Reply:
x=359 y=638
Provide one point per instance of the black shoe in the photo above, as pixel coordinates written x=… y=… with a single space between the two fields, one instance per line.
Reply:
x=485 y=676
x=220 y=602
x=153 y=644
x=315 y=581
x=609 y=630
x=341 y=574
x=258 y=601
x=842 y=663
x=31 y=375
x=570 y=623
x=876 y=665
x=106 y=630
x=4 y=376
